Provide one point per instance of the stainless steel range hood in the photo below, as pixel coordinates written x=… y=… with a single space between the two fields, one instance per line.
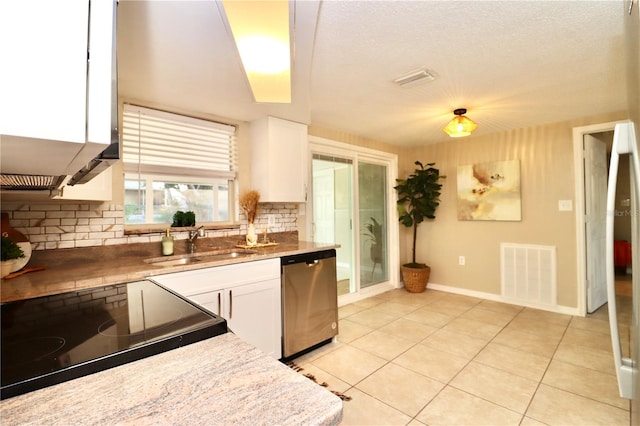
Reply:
x=99 y=163
x=27 y=179
x=51 y=184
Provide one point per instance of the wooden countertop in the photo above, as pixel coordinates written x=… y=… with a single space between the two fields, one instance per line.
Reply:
x=80 y=268
x=218 y=381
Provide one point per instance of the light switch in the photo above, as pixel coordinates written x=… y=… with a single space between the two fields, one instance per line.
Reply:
x=565 y=205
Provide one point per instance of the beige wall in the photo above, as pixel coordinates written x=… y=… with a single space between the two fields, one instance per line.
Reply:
x=547 y=175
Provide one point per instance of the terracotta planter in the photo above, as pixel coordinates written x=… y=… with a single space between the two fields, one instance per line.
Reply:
x=415 y=279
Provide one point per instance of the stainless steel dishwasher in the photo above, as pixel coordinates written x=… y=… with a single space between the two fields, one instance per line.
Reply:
x=309 y=301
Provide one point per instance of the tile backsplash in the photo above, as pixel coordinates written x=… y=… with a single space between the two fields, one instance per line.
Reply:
x=56 y=226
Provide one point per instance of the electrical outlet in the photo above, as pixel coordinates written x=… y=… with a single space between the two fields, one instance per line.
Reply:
x=565 y=205
x=271 y=220
x=461 y=260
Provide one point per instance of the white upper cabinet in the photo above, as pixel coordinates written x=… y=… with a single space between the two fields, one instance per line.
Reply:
x=56 y=103
x=279 y=160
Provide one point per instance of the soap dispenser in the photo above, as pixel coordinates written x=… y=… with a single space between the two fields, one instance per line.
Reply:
x=167 y=244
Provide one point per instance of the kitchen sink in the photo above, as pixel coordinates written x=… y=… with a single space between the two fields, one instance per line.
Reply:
x=174 y=262
x=210 y=256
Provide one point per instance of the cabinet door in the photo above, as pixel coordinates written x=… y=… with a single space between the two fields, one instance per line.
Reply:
x=279 y=160
x=43 y=82
x=46 y=109
x=253 y=313
x=213 y=301
x=247 y=295
x=102 y=84
x=44 y=79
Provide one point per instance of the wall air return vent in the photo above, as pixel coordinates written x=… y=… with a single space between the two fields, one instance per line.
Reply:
x=528 y=274
x=415 y=77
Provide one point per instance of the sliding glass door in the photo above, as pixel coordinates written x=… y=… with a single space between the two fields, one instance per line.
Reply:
x=333 y=212
x=351 y=208
x=372 y=212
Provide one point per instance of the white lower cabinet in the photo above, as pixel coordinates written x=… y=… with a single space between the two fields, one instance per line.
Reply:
x=253 y=313
x=246 y=294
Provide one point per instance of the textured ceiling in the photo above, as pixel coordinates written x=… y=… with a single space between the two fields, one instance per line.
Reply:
x=512 y=64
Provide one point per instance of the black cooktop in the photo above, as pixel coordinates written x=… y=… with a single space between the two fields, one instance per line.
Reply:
x=52 y=339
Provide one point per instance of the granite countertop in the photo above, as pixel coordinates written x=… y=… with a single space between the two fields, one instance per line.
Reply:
x=80 y=268
x=218 y=381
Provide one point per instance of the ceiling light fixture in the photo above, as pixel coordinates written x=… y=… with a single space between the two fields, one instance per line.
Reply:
x=261 y=32
x=460 y=125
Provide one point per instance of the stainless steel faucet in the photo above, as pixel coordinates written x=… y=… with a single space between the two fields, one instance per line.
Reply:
x=193 y=236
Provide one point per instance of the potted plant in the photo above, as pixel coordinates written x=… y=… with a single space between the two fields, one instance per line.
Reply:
x=418 y=198
x=374 y=234
x=9 y=252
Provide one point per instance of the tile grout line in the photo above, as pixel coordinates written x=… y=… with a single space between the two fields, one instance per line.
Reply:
x=564 y=333
x=473 y=358
x=565 y=390
x=414 y=345
x=519 y=313
x=391 y=361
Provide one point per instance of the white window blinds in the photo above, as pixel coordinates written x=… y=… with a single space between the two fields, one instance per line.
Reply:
x=157 y=142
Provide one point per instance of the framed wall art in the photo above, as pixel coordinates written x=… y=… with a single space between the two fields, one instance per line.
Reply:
x=489 y=191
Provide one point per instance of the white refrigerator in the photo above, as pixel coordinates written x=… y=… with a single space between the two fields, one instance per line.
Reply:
x=626 y=147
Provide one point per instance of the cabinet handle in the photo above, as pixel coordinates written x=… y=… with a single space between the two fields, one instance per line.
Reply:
x=219 y=304
x=230 y=304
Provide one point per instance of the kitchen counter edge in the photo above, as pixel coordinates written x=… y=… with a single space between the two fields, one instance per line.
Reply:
x=93 y=270
x=221 y=380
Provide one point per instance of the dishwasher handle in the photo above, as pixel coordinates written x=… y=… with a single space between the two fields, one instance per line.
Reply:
x=308 y=258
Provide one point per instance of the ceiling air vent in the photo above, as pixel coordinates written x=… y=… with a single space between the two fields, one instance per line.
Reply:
x=415 y=77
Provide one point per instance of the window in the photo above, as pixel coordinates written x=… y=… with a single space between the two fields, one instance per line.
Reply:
x=174 y=162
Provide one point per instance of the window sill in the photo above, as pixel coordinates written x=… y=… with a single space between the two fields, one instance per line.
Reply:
x=161 y=229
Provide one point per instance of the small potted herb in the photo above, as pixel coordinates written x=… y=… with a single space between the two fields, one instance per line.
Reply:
x=9 y=252
x=183 y=219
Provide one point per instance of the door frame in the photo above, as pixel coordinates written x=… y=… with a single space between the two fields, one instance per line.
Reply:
x=595 y=206
x=581 y=243
x=393 y=235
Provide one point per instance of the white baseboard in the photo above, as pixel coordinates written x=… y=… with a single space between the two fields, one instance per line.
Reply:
x=497 y=298
x=381 y=288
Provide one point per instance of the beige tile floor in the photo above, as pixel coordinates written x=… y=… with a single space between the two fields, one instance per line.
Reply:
x=437 y=358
